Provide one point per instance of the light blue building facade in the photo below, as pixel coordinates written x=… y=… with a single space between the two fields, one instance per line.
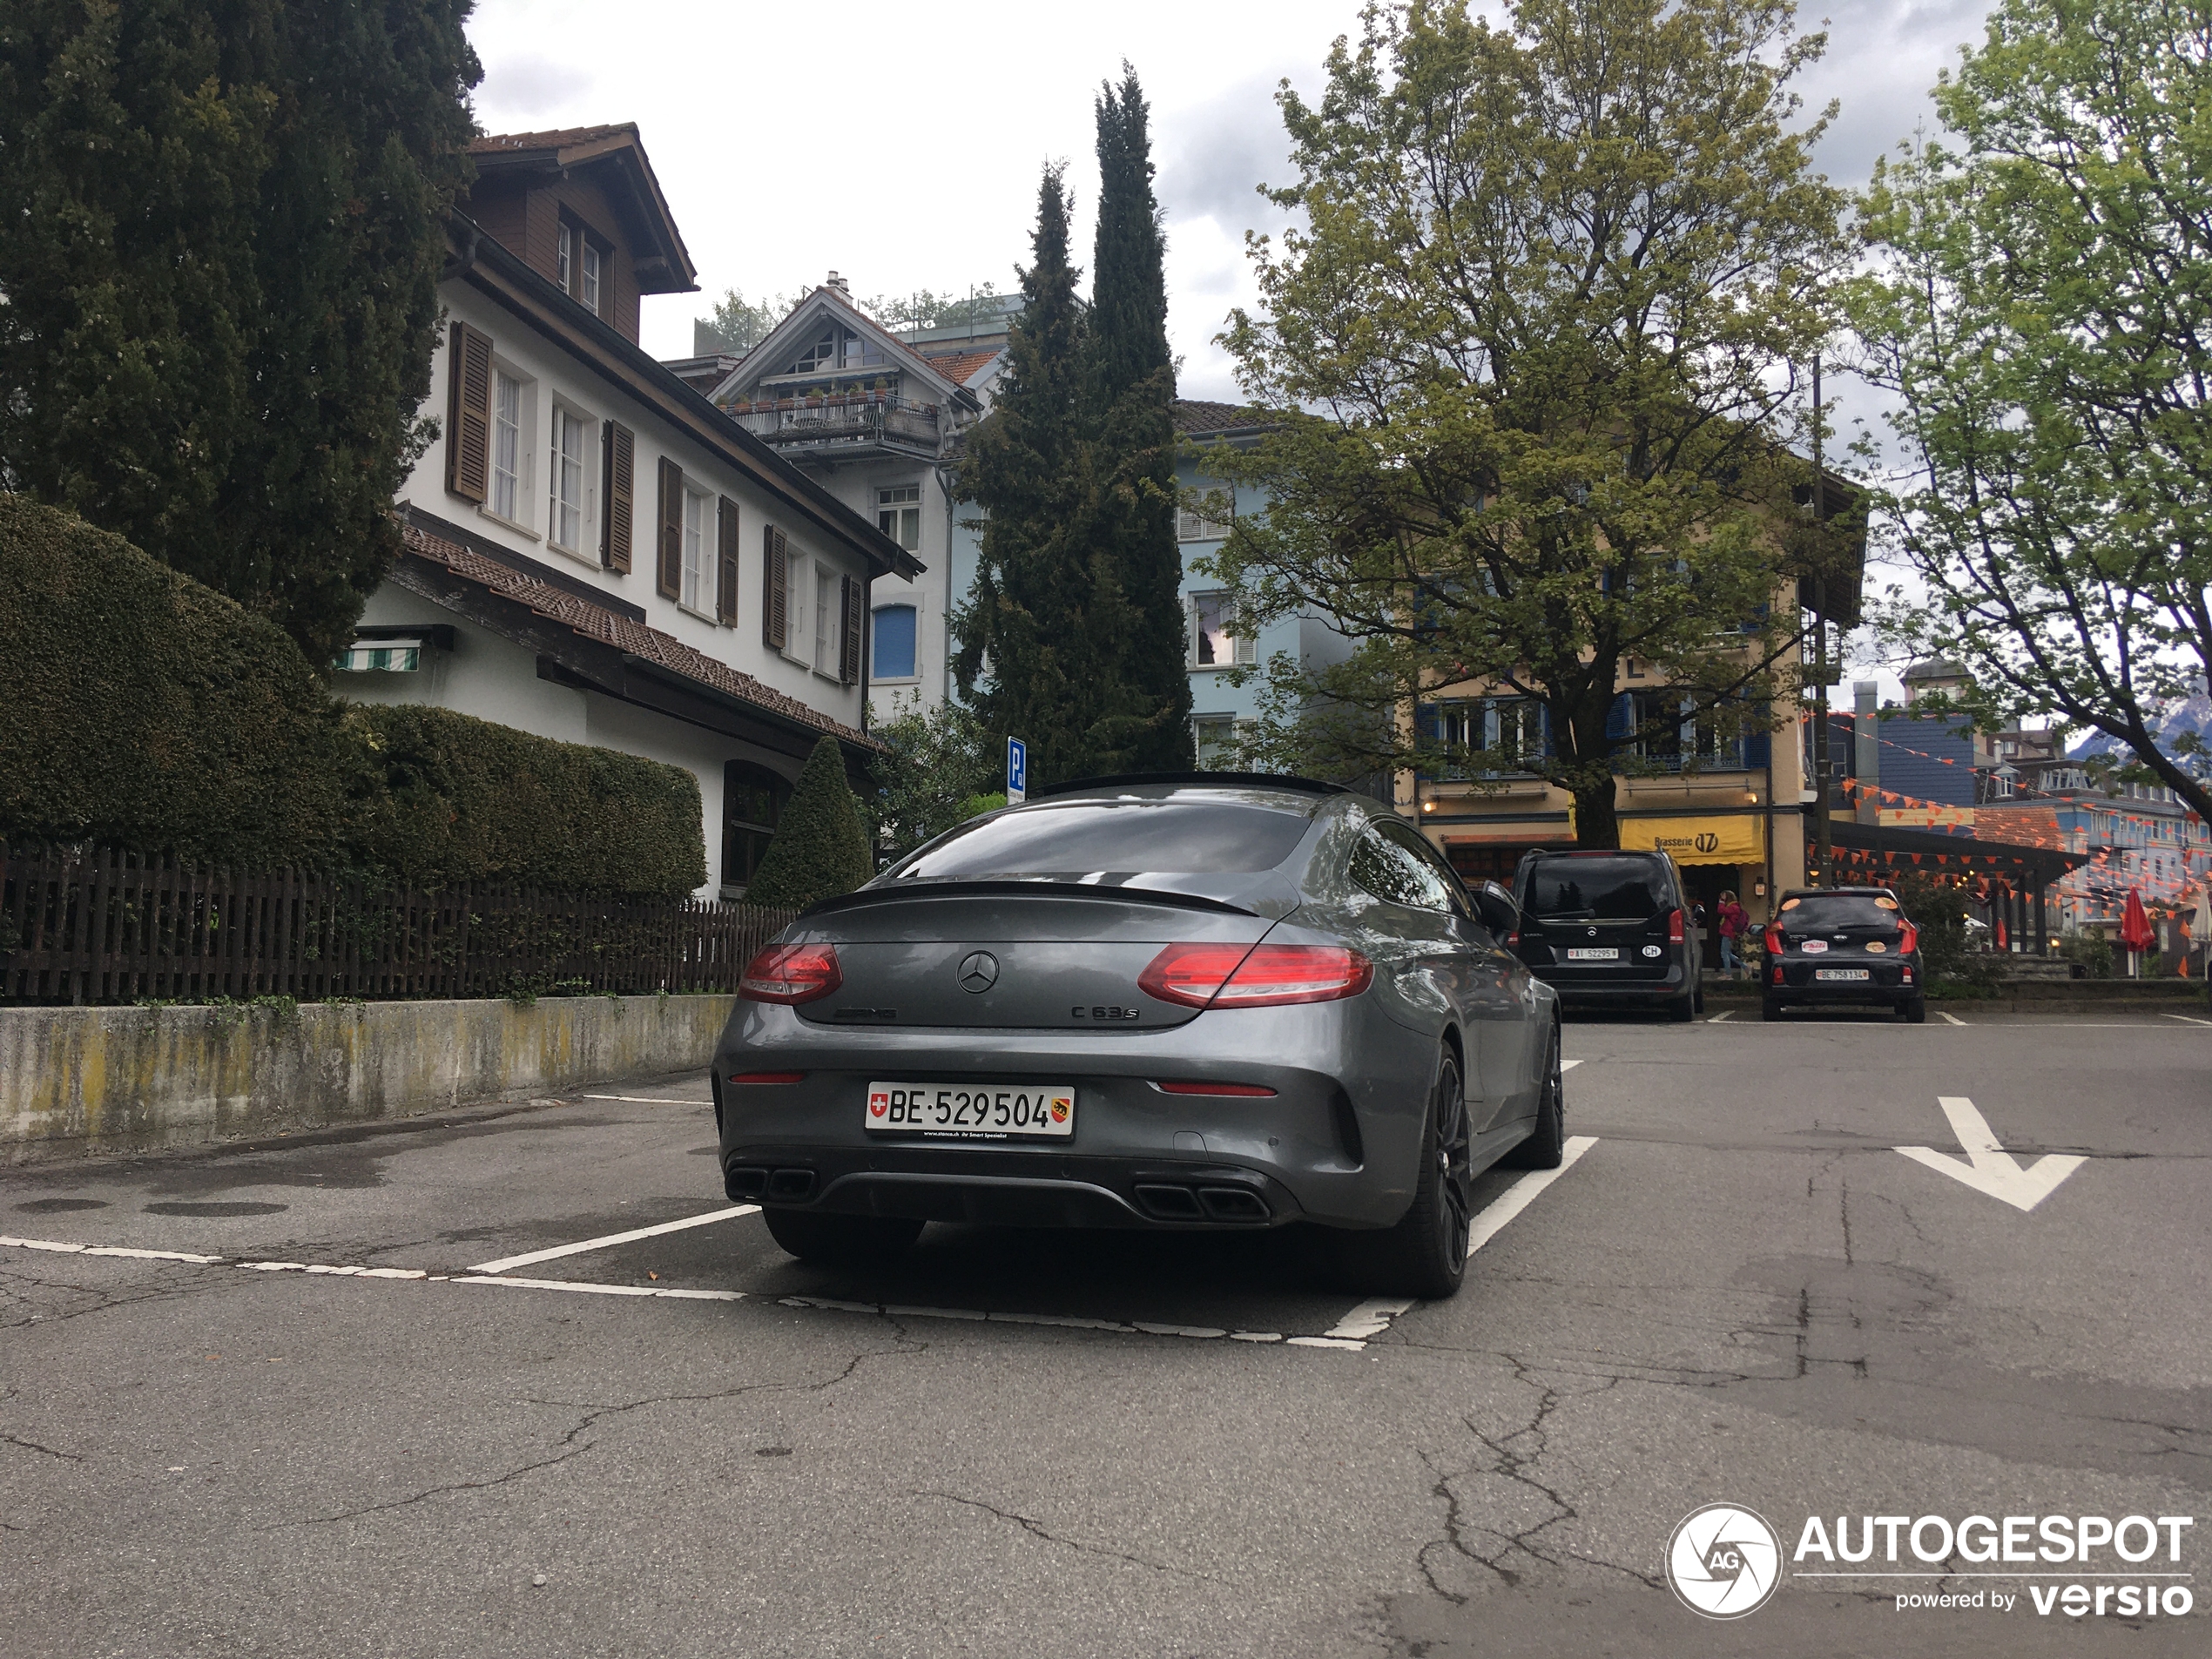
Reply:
x=1221 y=711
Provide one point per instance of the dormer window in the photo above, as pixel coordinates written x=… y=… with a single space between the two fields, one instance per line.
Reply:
x=837 y=346
x=576 y=261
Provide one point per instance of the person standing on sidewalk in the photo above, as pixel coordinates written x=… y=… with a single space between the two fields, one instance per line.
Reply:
x=1734 y=920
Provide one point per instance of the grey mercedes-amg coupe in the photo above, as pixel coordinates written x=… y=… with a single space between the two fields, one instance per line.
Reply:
x=1204 y=1001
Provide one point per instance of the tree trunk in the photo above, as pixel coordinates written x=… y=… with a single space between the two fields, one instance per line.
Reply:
x=1597 y=819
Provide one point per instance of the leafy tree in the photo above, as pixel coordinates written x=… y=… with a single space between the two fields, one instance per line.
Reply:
x=738 y=323
x=225 y=231
x=820 y=848
x=1026 y=662
x=940 y=766
x=2044 y=317
x=1145 y=708
x=926 y=308
x=1530 y=358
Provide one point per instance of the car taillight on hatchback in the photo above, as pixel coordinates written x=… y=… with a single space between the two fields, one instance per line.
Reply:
x=792 y=974
x=1774 y=940
x=1254 y=976
x=1908 y=938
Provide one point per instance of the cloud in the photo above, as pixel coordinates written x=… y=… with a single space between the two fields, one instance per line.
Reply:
x=526 y=85
x=1214 y=157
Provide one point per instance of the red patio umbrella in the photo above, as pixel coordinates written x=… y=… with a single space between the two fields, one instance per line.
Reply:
x=2134 y=922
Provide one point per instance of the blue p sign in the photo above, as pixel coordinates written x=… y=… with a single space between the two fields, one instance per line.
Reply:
x=1017 y=769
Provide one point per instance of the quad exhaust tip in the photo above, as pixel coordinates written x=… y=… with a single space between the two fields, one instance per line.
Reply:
x=784 y=1186
x=1232 y=1205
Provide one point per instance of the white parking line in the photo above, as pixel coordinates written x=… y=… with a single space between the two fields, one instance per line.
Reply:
x=1952 y=1017
x=2186 y=1019
x=1568 y=1065
x=106 y=1250
x=1717 y=1018
x=631 y=1237
x=651 y=1100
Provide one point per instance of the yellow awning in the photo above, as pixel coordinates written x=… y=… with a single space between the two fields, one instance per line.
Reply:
x=1740 y=838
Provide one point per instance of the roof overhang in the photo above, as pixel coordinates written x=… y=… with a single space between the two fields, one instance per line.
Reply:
x=792 y=331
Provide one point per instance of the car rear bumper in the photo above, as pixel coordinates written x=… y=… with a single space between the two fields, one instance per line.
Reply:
x=1598 y=993
x=1889 y=985
x=1335 y=1144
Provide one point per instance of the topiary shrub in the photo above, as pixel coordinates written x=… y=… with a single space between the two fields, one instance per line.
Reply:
x=820 y=848
x=143 y=709
x=440 y=797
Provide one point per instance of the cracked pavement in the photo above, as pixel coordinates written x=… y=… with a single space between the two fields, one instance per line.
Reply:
x=1740 y=1294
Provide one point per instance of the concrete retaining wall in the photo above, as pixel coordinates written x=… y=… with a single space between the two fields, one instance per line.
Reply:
x=99 y=1080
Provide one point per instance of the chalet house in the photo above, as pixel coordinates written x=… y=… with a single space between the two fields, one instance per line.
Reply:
x=593 y=552
x=873 y=419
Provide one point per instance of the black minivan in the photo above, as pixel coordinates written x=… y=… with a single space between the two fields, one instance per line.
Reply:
x=1609 y=929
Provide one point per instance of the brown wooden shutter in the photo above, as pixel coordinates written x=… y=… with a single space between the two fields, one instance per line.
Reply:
x=671 y=529
x=775 y=610
x=469 y=414
x=621 y=446
x=848 y=661
x=725 y=591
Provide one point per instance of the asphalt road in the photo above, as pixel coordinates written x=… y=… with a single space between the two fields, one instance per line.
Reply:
x=1739 y=1292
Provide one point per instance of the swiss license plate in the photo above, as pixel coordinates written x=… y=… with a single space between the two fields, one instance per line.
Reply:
x=1852 y=973
x=973 y=1111
x=1592 y=953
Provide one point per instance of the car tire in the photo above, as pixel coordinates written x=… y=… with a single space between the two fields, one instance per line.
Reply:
x=841 y=1241
x=1683 y=1008
x=1425 y=1254
x=1770 y=1007
x=1915 y=1010
x=1698 y=1006
x=1545 y=1148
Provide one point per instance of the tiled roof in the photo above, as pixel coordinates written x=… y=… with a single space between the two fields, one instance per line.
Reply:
x=960 y=367
x=558 y=138
x=1194 y=414
x=612 y=628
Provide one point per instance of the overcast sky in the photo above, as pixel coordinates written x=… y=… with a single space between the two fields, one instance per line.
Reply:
x=900 y=144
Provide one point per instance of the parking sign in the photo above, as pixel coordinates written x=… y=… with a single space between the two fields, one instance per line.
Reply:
x=1017 y=770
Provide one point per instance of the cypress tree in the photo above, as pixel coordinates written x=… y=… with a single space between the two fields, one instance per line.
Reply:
x=1145 y=716
x=1028 y=661
x=820 y=848
x=225 y=230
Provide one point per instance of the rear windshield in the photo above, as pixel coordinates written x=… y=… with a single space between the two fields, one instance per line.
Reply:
x=1117 y=837
x=1617 y=889
x=1828 y=911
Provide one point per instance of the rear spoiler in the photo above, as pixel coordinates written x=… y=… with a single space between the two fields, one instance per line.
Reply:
x=865 y=897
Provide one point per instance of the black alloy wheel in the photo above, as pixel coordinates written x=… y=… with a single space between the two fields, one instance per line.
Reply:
x=841 y=1241
x=1425 y=1254
x=1546 y=1147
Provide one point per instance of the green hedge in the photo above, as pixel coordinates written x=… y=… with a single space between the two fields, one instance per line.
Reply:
x=141 y=709
x=444 y=797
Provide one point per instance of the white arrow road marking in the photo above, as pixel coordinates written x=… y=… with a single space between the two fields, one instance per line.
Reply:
x=1992 y=1168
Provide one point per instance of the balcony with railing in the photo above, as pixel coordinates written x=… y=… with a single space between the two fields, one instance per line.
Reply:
x=857 y=420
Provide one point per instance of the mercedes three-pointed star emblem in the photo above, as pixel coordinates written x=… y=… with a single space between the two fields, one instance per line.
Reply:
x=979 y=971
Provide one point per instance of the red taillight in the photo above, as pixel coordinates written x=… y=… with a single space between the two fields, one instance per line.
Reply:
x=1246 y=977
x=768 y=1077
x=792 y=974
x=1241 y=1090
x=1908 y=938
x=1774 y=940
x=1674 y=926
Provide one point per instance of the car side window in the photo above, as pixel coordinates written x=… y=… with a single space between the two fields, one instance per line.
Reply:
x=1403 y=835
x=1396 y=873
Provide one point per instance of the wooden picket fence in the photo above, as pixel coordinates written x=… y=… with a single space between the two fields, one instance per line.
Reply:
x=81 y=926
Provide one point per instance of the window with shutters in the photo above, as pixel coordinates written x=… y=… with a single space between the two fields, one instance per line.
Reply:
x=852 y=613
x=513 y=400
x=1216 y=641
x=898 y=514
x=578 y=260
x=568 y=508
x=894 y=643
x=668 y=533
x=825 y=618
x=725 y=562
x=699 y=551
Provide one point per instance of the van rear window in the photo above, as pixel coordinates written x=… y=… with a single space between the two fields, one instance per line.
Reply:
x=1629 y=889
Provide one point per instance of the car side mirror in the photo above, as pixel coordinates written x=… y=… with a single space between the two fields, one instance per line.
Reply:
x=1499 y=912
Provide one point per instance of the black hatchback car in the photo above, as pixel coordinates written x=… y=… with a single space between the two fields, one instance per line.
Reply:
x=1609 y=929
x=1844 y=945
